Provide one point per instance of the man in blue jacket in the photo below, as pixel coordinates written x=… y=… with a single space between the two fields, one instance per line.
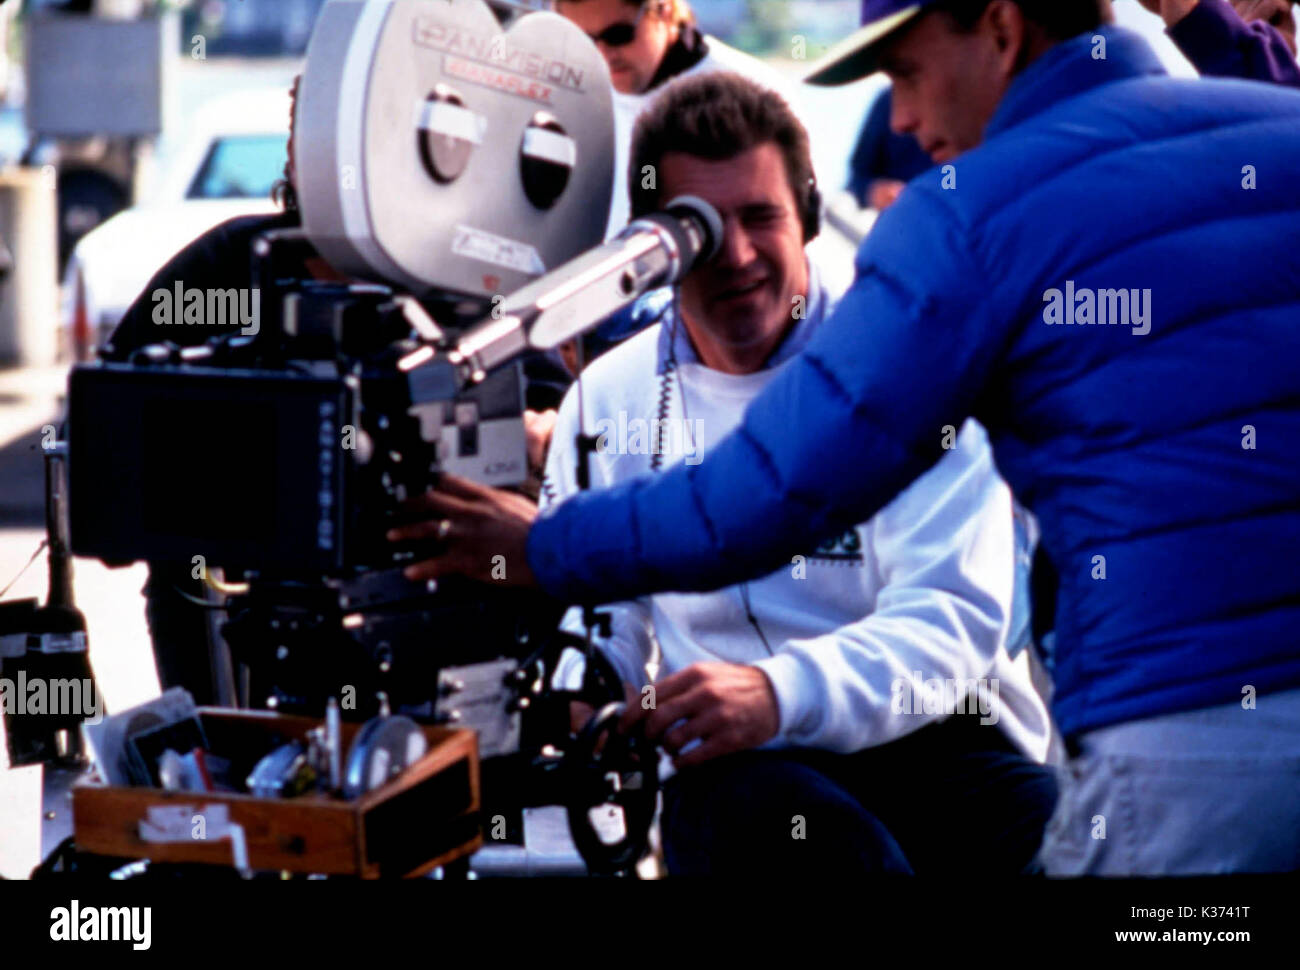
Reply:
x=1103 y=270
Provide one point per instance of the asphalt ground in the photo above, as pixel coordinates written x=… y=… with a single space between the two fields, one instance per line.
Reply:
x=31 y=399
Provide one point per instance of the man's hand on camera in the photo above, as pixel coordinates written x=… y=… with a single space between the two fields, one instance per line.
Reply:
x=729 y=707
x=483 y=530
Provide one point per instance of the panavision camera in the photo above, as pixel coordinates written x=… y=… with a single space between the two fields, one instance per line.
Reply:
x=456 y=168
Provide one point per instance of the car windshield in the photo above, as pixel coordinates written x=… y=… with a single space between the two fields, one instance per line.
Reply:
x=240 y=167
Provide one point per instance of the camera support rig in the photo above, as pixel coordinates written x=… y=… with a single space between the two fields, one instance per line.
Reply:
x=441 y=162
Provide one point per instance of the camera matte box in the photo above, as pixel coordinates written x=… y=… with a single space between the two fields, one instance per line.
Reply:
x=173 y=463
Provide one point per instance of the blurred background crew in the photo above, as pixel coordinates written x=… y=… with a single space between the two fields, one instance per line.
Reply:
x=1254 y=39
x=647 y=44
x=883 y=161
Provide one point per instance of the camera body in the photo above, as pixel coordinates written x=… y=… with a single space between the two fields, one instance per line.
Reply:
x=289 y=452
x=282 y=459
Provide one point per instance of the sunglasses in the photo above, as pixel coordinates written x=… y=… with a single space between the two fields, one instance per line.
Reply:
x=620 y=34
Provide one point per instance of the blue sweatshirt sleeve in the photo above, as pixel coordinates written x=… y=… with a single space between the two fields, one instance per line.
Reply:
x=1219 y=43
x=842 y=430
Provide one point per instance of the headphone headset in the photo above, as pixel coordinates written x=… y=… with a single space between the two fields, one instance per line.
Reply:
x=812 y=211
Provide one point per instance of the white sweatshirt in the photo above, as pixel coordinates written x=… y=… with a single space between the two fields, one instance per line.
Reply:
x=918 y=595
x=627 y=107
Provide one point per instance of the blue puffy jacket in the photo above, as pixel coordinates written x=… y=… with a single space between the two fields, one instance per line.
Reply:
x=1161 y=457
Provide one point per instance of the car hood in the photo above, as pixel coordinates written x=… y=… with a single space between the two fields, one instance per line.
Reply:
x=118 y=258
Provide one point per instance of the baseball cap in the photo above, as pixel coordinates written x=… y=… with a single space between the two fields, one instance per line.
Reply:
x=855 y=56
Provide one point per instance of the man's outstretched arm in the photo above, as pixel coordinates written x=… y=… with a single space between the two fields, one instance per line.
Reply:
x=850 y=422
x=847 y=424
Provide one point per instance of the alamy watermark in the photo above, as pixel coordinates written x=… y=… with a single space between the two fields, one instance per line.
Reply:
x=1087 y=307
x=653 y=436
x=128 y=924
x=945 y=696
x=182 y=306
x=67 y=697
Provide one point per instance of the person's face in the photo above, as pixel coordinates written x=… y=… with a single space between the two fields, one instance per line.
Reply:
x=947 y=85
x=632 y=65
x=744 y=296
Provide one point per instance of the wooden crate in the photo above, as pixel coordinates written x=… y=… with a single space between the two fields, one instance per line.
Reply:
x=426 y=817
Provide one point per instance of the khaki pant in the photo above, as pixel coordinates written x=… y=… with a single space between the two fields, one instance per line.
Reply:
x=1215 y=790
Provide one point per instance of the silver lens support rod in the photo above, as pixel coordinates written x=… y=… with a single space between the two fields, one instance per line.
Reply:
x=653 y=251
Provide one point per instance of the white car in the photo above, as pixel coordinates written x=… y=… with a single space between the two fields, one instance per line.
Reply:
x=226 y=168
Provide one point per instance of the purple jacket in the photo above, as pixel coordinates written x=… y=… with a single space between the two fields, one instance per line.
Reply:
x=1220 y=43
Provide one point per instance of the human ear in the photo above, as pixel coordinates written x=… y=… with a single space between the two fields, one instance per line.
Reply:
x=1009 y=33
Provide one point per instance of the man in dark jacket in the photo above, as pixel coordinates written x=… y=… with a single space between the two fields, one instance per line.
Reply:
x=219 y=259
x=1253 y=39
x=883 y=162
x=1077 y=186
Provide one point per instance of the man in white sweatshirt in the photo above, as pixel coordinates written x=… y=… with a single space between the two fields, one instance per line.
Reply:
x=856 y=710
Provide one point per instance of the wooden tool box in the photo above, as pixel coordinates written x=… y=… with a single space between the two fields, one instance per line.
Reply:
x=426 y=817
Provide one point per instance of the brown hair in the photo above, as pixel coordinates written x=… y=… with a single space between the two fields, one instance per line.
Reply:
x=284 y=193
x=679 y=11
x=717 y=116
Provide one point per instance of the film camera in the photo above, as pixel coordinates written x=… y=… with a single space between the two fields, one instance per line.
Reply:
x=457 y=167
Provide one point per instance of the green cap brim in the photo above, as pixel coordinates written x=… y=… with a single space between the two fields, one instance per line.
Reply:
x=855 y=57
